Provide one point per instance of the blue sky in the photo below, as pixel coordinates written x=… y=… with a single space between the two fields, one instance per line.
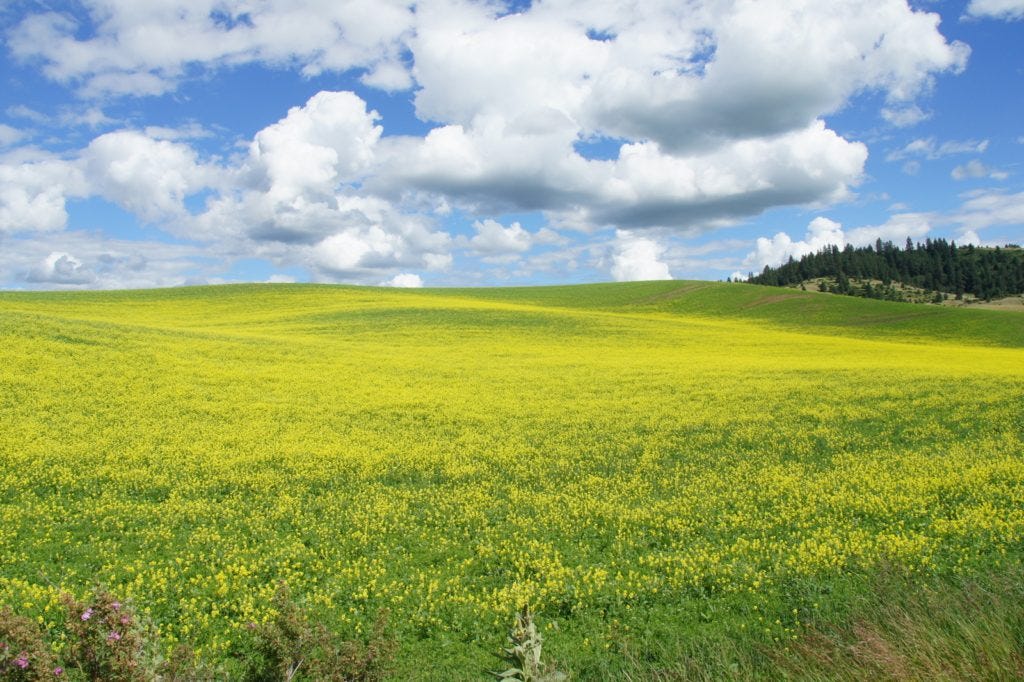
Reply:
x=455 y=142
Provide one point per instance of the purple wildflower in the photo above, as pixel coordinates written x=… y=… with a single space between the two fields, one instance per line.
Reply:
x=58 y=671
x=21 y=661
x=87 y=614
x=125 y=619
x=113 y=636
x=115 y=605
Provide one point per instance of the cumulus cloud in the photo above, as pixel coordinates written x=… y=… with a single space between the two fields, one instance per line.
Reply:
x=33 y=193
x=491 y=170
x=296 y=198
x=646 y=187
x=76 y=259
x=896 y=229
x=677 y=74
x=316 y=147
x=147 y=177
x=980 y=210
x=776 y=67
x=717 y=111
x=996 y=9
x=127 y=47
x=497 y=243
x=370 y=236
x=494 y=239
x=976 y=169
x=488 y=168
x=405 y=280
x=637 y=258
x=823 y=232
x=150 y=178
x=61 y=268
x=969 y=237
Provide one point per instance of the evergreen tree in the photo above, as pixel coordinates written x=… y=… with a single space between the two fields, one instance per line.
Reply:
x=935 y=265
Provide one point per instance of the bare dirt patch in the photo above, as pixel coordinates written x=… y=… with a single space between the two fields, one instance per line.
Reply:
x=1015 y=303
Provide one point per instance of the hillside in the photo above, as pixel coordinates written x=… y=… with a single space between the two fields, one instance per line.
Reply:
x=932 y=268
x=676 y=476
x=260 y=306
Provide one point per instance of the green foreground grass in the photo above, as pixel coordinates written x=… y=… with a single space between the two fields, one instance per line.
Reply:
x=683 y=479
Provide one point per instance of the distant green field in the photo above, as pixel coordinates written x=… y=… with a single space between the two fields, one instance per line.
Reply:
x=677 y=476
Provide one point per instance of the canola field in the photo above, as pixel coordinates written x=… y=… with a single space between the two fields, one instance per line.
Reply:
x=640 y=463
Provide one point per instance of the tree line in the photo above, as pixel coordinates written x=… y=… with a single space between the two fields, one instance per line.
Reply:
x=935 y=265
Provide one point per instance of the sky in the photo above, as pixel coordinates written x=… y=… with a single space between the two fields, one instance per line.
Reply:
x=472 y=143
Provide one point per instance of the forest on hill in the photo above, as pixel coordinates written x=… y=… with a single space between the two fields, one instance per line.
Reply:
x=936 y=265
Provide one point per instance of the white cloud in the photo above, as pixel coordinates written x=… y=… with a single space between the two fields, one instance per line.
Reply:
x=147 y=177
x=489 y=168
x=69 y=116
x=33 y=193
x=717 y=110
x=405 y=280
x=144 y=48
x=904 y=116
x=61 y=268
x=896 y=229
x=822 y=232
x=648 y=187
x=996 y=9
x=293 y=199
x=683 y=75
x=27 y=113
x=988 y=209
x=637 y=258
x=930 y=149
x=369 y=236
x=93 y=117
x=296 y=198
x=9 y=135
x=389 y=76
x=316 y=147
x=493 y=239
x=980 y=211
x=76 y=259
x=968 y=237
x=976 y=169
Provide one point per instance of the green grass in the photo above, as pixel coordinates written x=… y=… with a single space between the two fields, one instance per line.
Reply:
x=679 y=477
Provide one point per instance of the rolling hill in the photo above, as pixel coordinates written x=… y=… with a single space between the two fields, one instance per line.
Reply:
x=678 y=477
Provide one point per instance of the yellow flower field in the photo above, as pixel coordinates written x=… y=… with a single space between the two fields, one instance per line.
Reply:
x=449 y=455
